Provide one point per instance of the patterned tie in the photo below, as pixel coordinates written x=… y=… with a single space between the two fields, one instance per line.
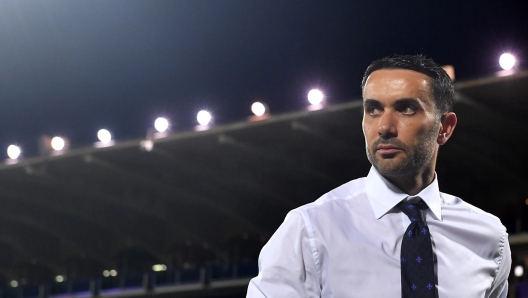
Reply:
x=418 y=278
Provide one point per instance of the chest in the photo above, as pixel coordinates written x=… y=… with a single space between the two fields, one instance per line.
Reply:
x=361 y=258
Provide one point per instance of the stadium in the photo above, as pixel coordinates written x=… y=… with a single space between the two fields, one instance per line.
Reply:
x=185 y=214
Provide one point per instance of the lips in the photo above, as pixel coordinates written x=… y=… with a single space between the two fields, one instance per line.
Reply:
x=387 y=149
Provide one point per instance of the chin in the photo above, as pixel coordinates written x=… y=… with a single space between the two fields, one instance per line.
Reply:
x=391 y=167
x=390 y=171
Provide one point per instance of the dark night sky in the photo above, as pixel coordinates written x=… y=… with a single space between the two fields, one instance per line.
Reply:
x=72 y=67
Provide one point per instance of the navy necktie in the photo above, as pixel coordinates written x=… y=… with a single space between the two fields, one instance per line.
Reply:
x=418 y=278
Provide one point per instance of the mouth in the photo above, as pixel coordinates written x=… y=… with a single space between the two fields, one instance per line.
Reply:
x=387 y=149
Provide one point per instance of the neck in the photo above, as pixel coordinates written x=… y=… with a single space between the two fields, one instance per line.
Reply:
x=414 y=184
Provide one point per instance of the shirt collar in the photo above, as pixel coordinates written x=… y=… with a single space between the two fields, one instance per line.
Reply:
x=383 y=195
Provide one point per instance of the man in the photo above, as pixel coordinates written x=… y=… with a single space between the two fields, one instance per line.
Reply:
x=392 y=233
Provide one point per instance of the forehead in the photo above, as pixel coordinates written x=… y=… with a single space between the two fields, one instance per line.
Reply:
x=397 y=83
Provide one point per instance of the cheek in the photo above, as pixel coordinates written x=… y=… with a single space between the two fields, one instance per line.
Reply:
x=367 y=126
x=415 y=134
x=367 y=132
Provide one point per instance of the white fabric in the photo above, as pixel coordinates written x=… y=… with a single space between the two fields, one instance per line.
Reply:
x=347 y=244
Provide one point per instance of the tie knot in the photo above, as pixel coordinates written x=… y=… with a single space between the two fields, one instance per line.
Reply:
x=413 y=210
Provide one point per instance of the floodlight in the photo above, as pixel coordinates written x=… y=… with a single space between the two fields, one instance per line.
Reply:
x=59 y=278
x=161 y=124
x=113 y=272
x=315 y=97
x=507 y=61
x=518 y=271
x=13 y=151
x=259 y=109
x=53 y=146
x=106 y=273
x=159 y=267
x=57 y=143
x=104 y=136
x=14 y=283
x=204 y=117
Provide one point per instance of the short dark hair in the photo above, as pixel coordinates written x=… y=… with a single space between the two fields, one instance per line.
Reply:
x=442 y=86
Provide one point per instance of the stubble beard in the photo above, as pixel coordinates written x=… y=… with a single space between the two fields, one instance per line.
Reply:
x=413 y=161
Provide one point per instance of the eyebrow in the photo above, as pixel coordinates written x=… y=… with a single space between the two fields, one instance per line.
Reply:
x=370 y=101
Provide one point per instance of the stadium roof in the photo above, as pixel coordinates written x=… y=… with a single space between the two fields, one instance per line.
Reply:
x=203 y=192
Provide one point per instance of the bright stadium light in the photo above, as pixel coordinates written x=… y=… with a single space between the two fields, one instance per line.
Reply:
x=259 y=109
x=105 y=139
x=507 y=61
x=57 y=143
x=53 y=146
x=518 y=271
x=13 y=151
x=204 y=117
x=108 y=273
x=104 y=136
x=161 y=129
x=315 y=97
x=159 y=267
x=59 y=278
x=14 y=283
x=161 y=124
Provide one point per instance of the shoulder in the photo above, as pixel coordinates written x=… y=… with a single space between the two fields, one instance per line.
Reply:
x=350 y=192
x=480 y=229
x=347 y=191
x=454 y=206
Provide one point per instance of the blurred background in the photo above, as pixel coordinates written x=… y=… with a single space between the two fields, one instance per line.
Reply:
x=153 y=147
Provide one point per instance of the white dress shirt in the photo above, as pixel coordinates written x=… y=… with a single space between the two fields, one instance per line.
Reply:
x=347 y=244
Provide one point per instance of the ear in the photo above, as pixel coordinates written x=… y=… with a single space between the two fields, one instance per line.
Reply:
x=448 y=122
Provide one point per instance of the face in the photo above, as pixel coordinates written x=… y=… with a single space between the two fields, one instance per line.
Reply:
x=400 y=122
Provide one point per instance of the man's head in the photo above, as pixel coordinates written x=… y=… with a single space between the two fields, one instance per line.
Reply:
x=406 y=117
x=442 y=89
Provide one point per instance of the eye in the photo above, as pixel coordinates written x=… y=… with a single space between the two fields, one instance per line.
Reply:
x=408 y=110
x=373 y=110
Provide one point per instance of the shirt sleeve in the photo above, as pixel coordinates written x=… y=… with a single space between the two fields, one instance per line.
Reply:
x=286 y=263
x=499 y=287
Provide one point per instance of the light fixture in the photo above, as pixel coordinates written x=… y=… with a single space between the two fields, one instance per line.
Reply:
x=315 y=97
x=104 y=136
x=518 y=271
x=53 y=146
x=161 y=124
x=159 y=267
x=507 y=61
x=13 y=283
x=107 y=273
x=59 y=278
x=105 y=139
x=259 y=109
x=58 y=143
x=14 y=152
x=204 y=119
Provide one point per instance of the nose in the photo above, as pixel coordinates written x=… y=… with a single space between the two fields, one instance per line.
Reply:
x=387 y=127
